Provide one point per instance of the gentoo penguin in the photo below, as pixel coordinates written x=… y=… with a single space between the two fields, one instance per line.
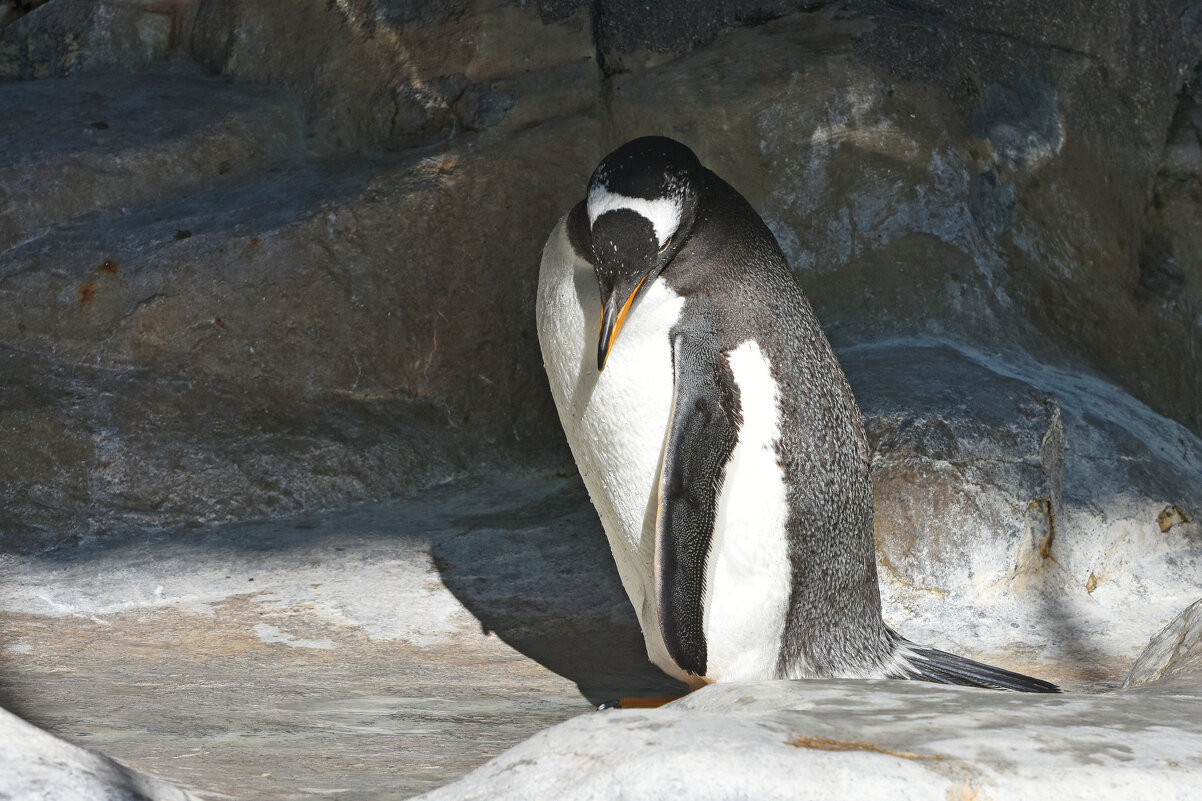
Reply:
x=717 y=435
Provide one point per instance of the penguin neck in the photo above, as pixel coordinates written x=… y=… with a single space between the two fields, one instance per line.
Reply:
x=726 y=233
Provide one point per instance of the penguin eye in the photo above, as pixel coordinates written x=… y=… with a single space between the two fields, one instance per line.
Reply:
x=664 y=246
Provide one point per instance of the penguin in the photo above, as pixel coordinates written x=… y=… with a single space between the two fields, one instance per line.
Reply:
x=717 y=435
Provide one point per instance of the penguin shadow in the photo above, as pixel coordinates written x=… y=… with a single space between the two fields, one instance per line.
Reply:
x=539 y=575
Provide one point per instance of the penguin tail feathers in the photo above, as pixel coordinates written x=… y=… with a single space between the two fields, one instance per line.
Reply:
x=930 y=664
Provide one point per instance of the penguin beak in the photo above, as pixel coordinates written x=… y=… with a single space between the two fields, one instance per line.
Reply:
x=612 y=318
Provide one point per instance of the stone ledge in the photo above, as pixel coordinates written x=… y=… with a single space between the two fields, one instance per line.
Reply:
x=860 y=739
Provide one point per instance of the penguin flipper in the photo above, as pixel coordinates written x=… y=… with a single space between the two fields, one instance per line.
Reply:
x=931 y=664
x=701 y=436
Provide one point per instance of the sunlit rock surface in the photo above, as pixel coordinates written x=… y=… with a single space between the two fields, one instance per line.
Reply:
x=410 y=641
x=1174 y=657
x=40 y=767
x=827 y=739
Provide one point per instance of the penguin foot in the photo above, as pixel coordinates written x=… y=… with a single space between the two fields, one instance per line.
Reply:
x=637 y=703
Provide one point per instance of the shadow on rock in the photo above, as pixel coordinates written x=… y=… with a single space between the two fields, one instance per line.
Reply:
x=535 y=570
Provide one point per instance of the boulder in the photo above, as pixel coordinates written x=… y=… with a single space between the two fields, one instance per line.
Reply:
x=1174 y=656
x=1021 y=509
x=848 y=739
x=41 y=767
x=72 y=37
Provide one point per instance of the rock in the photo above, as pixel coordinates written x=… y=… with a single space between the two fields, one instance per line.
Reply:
x=224 y=359
x=411 y=640
x=1174 y=656
x=1019 y=508
x=38 y=766
x=372 y=73
x=69 y=37
x=841 y=739
x=376 y=651
x=97 y=451
x=631 y=35
x=118 y=143
x=946 y=178
x=1169 y=290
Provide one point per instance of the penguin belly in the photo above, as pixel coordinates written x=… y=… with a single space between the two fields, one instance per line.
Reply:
x=747 y=573
x=615 y=421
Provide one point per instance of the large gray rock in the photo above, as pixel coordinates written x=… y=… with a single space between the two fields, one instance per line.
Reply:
x=118 y=143
x=71 y=37
x=379 y=73
x=855 y=739
x=1025 y=510
x=1174 y=656
x=40 y=767
x=280 y=334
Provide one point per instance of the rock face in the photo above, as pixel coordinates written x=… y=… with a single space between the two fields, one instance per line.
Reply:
x=220 y=310
x=826 y=739
x=351 y=223
x=69 y=37
x=265 y=258
x=1029 y=500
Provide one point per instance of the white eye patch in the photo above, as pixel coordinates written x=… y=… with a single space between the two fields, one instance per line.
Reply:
x=663 y=213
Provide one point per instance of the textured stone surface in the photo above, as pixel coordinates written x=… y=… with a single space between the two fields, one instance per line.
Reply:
x=409 y=641
x=39 y=767
x=1030 y=499
x=117 y=143
x=248 y=332
x=1174 y=657
x=371 y=653
x=71 y=37
x=376 y=73
x=837 y=739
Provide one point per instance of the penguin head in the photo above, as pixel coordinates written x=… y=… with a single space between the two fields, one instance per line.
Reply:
x=642 y=200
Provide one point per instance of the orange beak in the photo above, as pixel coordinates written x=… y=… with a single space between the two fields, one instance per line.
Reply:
x=611 y=322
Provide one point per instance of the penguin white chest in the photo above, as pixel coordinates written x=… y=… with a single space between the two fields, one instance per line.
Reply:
x=615 y=420
x=747 y=573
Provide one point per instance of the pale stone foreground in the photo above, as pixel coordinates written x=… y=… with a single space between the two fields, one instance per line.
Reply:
x=387 y=649
x=861 y=739
x=368 y=653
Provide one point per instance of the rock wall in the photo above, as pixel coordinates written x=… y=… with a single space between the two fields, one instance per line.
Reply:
x=346 y=212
